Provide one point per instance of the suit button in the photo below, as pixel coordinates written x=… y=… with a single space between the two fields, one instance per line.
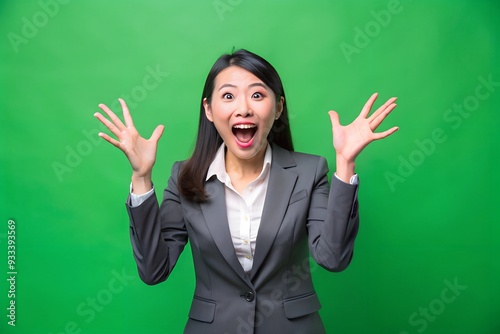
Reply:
x=249 y=296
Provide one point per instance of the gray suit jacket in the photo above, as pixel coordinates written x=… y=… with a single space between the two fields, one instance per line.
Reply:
x=301 y=216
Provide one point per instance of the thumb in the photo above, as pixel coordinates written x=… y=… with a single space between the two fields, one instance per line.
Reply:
x=334 y=118
x=157 y=133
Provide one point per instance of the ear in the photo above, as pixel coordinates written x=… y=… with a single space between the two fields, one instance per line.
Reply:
x=279 y=107
x=208 y=110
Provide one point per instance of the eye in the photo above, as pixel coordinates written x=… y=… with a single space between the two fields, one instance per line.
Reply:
x=257 y=95
x=227 y=96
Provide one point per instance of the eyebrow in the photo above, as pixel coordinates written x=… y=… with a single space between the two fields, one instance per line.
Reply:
x=257 y=84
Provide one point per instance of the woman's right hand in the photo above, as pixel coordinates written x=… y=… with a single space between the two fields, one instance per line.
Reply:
x=140 y=152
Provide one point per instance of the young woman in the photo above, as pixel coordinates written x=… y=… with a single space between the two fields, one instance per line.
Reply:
x=252 y=208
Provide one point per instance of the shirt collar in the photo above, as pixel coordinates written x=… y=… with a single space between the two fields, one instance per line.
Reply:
x=218 y=165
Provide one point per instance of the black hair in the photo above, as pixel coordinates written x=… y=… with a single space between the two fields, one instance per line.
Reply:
x=193 y=172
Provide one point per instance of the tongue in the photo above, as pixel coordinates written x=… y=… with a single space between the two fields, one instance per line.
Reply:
x=244 y=135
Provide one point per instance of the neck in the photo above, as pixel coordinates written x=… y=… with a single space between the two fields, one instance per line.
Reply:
x=245 y=167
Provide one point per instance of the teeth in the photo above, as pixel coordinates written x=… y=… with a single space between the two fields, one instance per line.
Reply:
x=244 y=126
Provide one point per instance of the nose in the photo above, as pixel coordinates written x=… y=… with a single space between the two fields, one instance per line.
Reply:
x=244 y=109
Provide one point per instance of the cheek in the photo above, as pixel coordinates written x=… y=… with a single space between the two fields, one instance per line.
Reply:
x=220 y=113
x=269 y=115
x=220 y=119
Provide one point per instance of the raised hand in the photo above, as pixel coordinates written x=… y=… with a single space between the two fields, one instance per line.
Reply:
x=351 y=139
x=140 y=152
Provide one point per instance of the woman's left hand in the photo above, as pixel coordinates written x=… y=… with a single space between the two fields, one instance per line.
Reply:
x=351 y=139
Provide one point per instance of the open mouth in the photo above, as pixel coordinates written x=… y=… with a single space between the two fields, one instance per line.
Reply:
x=244 y=133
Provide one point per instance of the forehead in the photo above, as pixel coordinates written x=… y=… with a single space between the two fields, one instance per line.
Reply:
x=236 y=76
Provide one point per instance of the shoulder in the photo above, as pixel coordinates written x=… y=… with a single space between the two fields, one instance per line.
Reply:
x=301 y=156
x=298 y=160
x=175 y=171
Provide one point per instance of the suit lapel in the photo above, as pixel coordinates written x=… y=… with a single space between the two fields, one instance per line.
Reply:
x=215 y=215
x=279 y=190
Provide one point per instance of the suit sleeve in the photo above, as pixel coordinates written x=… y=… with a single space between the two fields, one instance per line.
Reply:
x=333 y=220
x=158 y=233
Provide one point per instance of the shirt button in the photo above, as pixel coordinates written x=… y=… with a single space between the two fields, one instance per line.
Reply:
x=248 y=257
x=245 y=242
x=250 y=188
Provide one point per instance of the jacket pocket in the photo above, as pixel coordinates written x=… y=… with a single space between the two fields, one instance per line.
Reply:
x=301 y=305
x=298 y=196
x=202 y=309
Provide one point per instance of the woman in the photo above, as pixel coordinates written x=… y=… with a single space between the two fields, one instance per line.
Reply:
x=252 y=208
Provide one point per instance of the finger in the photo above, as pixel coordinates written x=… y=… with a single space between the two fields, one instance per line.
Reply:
x=157 y=133
x=382 y=108
x=381 y=116
x=368 y=105
x=110 y=140
x=126 y=113
x=117 y=122
x=386 y=133
x=334 y=118
x=108 y=124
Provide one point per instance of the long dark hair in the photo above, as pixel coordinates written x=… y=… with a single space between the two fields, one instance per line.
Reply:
x=193 y=171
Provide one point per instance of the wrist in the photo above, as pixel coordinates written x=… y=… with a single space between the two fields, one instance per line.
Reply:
x=345 y=168
x=141 y=184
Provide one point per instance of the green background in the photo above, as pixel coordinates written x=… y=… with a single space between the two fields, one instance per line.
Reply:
x=428 y=196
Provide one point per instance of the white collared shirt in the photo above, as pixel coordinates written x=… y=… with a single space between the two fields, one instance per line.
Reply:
x=243 y=210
